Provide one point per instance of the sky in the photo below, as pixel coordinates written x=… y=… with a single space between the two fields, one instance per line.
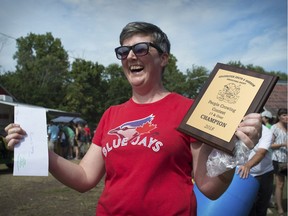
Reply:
x=201 y=32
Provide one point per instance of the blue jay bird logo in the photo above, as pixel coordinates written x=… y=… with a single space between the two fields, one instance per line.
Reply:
x=134 y=128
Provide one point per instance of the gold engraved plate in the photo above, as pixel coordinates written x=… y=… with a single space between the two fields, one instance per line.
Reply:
x=224 y=103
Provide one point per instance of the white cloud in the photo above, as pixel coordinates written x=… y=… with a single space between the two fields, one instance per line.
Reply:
x=201 y=32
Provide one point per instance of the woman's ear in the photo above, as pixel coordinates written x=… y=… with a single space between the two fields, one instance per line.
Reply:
x=164 y=59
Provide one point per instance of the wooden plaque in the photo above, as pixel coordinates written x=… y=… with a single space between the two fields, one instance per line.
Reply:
x=228 y=95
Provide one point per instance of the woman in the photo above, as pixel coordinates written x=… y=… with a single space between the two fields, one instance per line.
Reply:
x=279 y=155
x=147 y=161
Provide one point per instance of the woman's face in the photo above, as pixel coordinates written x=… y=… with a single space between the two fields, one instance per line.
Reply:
x=143 y=72
x=283 y=118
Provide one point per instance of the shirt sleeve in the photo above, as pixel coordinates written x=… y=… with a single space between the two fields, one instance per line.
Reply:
x=266 y=138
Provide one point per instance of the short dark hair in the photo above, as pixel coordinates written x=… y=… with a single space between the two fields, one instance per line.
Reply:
x=282 y=111
x=158 y=36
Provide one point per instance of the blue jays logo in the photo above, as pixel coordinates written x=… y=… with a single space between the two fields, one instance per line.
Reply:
x=130 y=133
x=134 y=128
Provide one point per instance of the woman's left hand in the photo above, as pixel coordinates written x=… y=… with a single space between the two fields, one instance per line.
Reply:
x=250 y=129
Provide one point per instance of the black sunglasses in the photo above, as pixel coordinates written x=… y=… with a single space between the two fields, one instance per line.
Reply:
x=139 y=49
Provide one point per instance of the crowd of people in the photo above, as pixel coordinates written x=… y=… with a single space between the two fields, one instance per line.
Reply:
x=268 y=163
x=69 y=140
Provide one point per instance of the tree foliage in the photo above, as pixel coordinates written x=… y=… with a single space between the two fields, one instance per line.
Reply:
x=259 y=69
x=84 y=90
x=173 y=79
x=42 y=66
x=44 y=77
x=118 y=89
x=195 y=78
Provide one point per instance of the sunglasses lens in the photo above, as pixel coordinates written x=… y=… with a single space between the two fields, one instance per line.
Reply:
x=141 y=49
x=122 y=52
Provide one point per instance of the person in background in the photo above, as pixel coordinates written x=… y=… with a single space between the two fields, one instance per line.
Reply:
x=80 y=140
x=53 y=137
x=279 y=156
x=70 y=136
x=87 y=134
x=146 y=161
x=260 y=166
x=63 y=143
x=267 y=118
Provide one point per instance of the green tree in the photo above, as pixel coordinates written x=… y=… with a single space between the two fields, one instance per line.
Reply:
x=282 y=76
x=42 y=67
x=196 y=77
x=86 y=90
x=118 y=88
x=173 y=79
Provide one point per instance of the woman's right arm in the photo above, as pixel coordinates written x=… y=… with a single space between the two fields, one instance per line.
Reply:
x=81 y=177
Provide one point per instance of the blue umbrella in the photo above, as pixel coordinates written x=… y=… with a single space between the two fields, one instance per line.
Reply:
x=67 y=119
x=79 y=120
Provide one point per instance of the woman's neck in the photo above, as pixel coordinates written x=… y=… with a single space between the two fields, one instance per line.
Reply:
x=150 y=96
x=283 y=126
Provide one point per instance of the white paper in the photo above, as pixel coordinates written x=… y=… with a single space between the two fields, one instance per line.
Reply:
x=31 y=154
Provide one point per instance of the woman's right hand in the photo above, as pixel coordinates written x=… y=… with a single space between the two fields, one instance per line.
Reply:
x=14 y=135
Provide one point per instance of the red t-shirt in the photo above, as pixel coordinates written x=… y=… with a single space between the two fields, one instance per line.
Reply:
x=148 y=161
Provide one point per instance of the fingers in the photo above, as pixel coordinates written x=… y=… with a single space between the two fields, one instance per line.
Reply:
x=252 y=119
x=7 y=128
x=243 y=172
x=14 y=135
x=252 y=116
x=250 y=129
x=245 y=134
x=240 y=171
x=14 y=128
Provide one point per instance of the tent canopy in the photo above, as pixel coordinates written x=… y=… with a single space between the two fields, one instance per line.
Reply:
x=52 y=112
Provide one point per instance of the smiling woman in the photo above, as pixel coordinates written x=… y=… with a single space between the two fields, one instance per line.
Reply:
x=145 y=126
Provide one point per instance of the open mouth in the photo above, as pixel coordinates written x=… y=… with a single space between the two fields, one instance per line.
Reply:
x=136 y=68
